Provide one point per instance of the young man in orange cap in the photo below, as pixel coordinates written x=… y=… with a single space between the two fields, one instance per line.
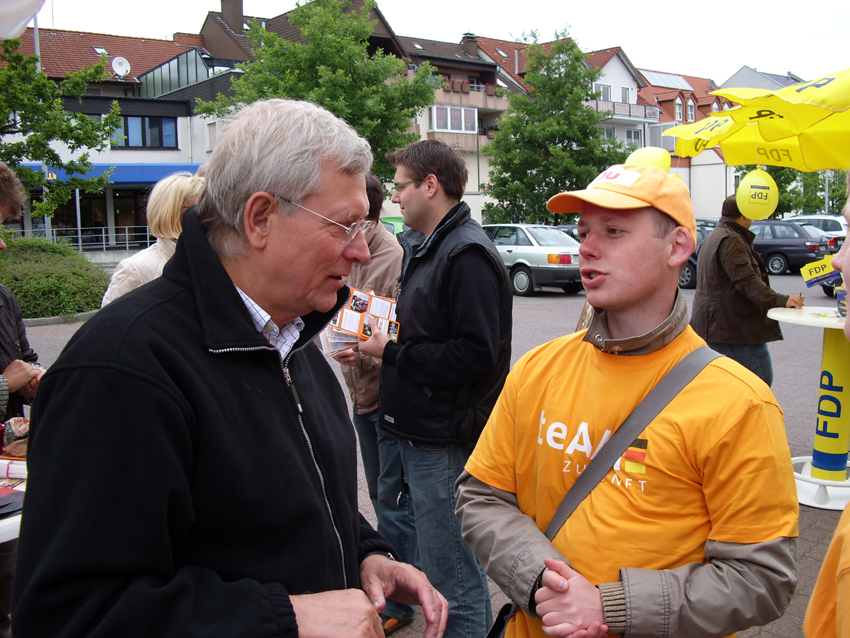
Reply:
x=693 y=531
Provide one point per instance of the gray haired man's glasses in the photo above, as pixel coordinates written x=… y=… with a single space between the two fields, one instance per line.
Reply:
x=350 y=231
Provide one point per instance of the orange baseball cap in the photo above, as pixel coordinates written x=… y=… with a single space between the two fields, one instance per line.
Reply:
x=625 y=187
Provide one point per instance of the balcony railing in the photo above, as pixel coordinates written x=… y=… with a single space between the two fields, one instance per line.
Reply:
x=95 y=237
x=622 y=109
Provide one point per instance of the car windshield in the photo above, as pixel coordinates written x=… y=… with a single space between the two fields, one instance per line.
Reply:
x=548 y=236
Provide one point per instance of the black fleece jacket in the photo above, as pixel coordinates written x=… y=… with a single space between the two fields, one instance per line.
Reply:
x=176 y=488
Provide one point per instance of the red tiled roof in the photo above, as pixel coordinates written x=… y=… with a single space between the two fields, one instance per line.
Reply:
x=649 y=95
x=664 y=95
x=237 y=45
x=598 y=59
x=68 y=51
x=514 y=64
x=702 y=87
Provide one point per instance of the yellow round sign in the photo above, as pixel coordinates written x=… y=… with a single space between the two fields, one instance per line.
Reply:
x=650 y=156
x=757 y=195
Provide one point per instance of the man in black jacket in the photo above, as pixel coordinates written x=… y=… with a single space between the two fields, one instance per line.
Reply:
x=441 y=380
x=192 y=466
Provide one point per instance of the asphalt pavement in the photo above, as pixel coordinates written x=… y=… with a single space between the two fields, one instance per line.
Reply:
x=551 y=314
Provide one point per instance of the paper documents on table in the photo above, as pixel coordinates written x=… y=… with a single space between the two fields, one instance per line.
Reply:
x=363 y=314
x=13 y=469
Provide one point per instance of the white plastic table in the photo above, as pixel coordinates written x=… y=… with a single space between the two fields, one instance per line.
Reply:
x=822 y=478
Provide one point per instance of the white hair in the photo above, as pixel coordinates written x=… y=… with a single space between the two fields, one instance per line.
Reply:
x=276 y=146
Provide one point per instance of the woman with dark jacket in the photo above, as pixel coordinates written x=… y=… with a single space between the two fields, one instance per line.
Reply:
x=733 y=295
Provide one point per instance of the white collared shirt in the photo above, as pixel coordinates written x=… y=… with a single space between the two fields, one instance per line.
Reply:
x=283 y=337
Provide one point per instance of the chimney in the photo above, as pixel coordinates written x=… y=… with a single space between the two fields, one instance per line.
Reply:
x=189 y=39
x=232 y=14
x=470 y=44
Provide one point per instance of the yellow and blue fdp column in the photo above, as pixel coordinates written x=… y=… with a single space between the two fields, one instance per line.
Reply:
x=832 y=434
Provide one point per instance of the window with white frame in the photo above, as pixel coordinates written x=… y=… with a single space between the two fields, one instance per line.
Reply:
x=604 y=91
x=453 y=119
x=714 y=107
x=691 y=110
x=624 y=97
x=212 y=135
x=633 y=136
x=607 y=132
x=679 y=106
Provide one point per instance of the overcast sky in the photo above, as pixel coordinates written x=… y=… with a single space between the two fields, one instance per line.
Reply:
x=704 y=39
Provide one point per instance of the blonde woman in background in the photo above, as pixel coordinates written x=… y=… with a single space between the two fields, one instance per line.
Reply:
x=168 y=199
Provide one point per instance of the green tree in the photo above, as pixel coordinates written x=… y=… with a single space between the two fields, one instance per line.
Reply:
x=837 y=191
x=335 y=68
x=32 y=118
x=809 y=192
x=550 y=141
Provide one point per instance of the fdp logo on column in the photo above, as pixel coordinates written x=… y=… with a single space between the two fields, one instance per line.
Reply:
x=832 y=434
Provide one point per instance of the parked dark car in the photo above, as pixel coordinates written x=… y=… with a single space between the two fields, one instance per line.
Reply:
x=570 y=229
x=536 y=255
x=820 y=235
x=688 y=278
x=784 y=245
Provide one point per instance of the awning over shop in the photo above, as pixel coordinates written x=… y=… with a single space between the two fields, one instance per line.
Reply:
x=125 y=174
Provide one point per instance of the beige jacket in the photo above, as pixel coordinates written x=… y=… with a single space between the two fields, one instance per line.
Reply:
x=380 y=276
x=139 y=269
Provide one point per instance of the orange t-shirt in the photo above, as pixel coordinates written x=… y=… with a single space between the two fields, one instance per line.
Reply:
x=828 y=615
x=714 y=464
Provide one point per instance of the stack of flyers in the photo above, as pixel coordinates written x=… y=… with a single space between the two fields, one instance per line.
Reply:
x=361 y=316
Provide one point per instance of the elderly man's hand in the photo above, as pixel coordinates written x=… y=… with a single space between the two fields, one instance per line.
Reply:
x=382 y=578
x=374 y=346
x=20 y=373
x=332 y=614
x=31 y=388
x=568 y=604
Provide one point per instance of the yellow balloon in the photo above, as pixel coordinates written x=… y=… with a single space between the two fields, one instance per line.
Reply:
x=757 y=195
x=650 y=156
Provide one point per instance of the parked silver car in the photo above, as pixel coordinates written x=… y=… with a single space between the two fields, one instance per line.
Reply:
x=536 y=255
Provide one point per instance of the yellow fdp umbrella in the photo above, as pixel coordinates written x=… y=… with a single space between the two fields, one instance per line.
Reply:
x=805 y=126
x=793 y=109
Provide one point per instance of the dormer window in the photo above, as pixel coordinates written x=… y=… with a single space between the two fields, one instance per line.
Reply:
x=691 y=110
x=714 y=107
x=502 y=53
x=100 y=50
x=679 y=107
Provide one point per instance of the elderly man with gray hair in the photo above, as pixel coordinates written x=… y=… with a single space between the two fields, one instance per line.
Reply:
x=192 y=464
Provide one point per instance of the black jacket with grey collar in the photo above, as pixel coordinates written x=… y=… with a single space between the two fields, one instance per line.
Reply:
x=179 y=486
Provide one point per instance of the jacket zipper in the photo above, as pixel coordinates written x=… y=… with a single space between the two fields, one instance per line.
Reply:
x=297 y=399
x=292 y=387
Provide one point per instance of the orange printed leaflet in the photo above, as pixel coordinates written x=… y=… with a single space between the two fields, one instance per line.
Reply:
x=362 y=315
